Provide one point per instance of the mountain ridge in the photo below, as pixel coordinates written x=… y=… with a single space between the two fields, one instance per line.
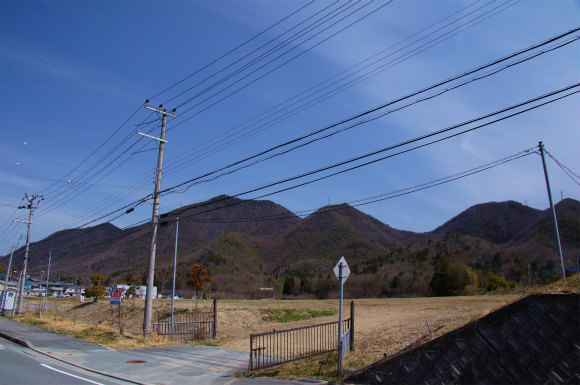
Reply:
x=262 y=241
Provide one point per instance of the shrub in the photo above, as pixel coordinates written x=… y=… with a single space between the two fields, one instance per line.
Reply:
x=496 y=281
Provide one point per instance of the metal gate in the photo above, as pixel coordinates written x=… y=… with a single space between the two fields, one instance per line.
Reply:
x=281 y=346
x=186 y=325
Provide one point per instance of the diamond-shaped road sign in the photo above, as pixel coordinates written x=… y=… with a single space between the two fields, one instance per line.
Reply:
x=345 y=269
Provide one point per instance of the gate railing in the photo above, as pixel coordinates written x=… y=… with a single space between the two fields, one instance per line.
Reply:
x=186 y=326
x=282 y=346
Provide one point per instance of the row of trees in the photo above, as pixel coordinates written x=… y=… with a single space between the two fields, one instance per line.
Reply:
x=448 y=277
x=197 y=278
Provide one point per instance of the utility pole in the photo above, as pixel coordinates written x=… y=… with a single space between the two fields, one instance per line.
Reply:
x=30 y=207
x=5 y=293
x=541 y=147
x=40 y=284
x=155 y=219
x=19 y=280
x=174 y=271
x=47 y=275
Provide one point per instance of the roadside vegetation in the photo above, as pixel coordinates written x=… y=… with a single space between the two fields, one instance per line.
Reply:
x=290 y=315
x=383 y=326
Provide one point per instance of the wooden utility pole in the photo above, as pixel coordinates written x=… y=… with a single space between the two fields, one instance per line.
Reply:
x=155 y=218
x=30 y=207
x=6 y=280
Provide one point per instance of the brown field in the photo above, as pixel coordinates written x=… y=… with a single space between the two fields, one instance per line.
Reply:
x=382 y=326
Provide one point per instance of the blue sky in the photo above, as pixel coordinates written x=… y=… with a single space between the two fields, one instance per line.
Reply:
x=74 y=76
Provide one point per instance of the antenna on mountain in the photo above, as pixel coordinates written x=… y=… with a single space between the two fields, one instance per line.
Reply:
x=525 y=202
x=561 y=195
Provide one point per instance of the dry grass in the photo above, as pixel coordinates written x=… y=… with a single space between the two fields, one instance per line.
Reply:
x=382 y=326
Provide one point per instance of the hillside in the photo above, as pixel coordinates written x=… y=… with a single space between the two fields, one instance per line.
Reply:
x=497 y=222
x=247 y=243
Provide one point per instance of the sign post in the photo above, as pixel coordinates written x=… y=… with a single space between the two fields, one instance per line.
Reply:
x=342 y=271
x=116 y=300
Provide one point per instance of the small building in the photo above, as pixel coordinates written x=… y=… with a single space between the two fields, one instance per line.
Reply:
x=140 y=290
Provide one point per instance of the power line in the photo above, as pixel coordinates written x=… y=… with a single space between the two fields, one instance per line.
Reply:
x=543 y=43
x=66 y=198
x=232 y=50
x=384 y=196
x=431 y=134
x=354 y=203
x=432 y=87
x=94 y=173
x=401 y=144
x=407 y=142
x=325 y=96
x=255 y=60
x=575 y=178
x=268 y=71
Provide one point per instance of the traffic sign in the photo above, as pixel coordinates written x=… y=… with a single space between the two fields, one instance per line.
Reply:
x=342 y=271
x=345 y=269
x=115 y=301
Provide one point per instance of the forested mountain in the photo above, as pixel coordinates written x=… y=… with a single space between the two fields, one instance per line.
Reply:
x=247 y=244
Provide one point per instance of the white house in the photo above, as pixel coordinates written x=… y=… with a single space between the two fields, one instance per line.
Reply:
x=141 y=290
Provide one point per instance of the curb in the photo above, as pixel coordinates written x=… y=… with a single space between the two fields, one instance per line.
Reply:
x=16 y=340
x=28 y=344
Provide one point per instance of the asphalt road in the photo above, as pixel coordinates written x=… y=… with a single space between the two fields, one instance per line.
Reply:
x=36 y=356
x=20 y=365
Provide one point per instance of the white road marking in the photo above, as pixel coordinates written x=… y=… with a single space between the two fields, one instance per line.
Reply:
x=1 y=347
x=72 y=375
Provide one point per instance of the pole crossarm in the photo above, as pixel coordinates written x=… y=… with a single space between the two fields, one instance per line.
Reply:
x=160 y=109
x=151 y=137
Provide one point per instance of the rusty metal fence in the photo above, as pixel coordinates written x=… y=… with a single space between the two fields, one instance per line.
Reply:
x=36 y=307
x=282 y=346
x=187 y=326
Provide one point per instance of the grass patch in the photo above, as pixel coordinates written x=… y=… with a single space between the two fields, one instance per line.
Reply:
x=100 y=334
x=322 y=367
x=290 y=315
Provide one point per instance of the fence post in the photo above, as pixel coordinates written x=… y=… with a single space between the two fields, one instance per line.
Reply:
x=214 y=318
x=251 y=352
x=352 y=326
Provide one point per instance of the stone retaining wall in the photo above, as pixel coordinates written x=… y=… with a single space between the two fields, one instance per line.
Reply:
x=533 y=341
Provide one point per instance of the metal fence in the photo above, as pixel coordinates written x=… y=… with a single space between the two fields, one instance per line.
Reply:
x=278 y=347
x=187 y=326
x=36 y=307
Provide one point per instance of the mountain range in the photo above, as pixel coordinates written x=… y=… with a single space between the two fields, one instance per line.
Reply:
x=247 y=244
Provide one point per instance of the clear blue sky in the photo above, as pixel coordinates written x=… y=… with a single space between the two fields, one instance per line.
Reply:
x=74 y=76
